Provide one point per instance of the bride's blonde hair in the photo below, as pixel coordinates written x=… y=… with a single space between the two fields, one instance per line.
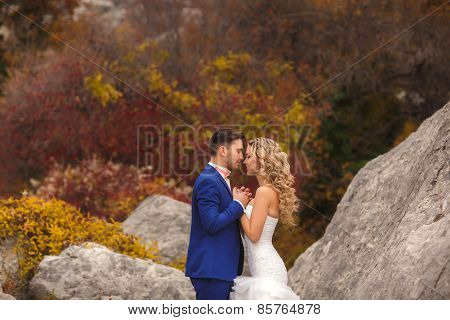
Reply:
x=277 y=171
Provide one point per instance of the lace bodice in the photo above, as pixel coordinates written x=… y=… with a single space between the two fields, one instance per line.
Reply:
x=263 y=260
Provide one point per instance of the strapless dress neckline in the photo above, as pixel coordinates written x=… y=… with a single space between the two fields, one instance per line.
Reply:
x=250 y=205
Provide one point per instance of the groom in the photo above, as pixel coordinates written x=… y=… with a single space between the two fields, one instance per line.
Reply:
x=216 y=254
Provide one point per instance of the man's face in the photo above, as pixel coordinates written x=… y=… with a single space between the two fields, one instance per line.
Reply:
x=235 y=154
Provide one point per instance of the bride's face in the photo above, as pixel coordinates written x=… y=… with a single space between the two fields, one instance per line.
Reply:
x=251 y=162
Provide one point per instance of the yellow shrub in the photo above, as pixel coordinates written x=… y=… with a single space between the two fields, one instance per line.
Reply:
x=44 y=227
x=102 y=90
x=227 y=67
x=168 y=92
x=179 y=263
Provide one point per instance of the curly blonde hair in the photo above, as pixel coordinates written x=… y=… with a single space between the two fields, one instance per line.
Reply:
x=277 y=171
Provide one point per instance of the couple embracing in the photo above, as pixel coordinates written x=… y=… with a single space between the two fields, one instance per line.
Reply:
x=223 y=216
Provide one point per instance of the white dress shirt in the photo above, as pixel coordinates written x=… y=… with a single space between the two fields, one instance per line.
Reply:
x=223 y=169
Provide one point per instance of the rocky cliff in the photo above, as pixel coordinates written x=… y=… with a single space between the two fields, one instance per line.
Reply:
x=390 y=235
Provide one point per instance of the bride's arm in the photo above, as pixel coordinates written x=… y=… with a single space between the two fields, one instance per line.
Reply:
x=253 y=228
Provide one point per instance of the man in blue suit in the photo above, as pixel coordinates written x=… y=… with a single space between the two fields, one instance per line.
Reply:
x=216 y=254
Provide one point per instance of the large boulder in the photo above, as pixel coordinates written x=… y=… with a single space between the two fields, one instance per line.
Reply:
x=165 y=220
x=5 y=296
x=9 y=266
x=92 y=271
x=390 y=235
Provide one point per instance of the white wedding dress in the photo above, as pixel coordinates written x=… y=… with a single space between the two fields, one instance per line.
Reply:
x=268 y=279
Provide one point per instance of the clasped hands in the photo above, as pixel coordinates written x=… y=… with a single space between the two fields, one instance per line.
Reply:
x=242 y=194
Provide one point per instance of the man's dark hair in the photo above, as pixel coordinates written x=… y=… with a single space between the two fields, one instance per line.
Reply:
x=223 y=137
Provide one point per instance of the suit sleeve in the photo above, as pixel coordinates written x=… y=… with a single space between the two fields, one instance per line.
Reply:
x=208 y=200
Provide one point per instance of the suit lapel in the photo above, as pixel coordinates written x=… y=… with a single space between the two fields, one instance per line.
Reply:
x=219 y=176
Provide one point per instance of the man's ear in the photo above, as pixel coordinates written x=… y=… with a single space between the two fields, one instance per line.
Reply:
x=222 y=151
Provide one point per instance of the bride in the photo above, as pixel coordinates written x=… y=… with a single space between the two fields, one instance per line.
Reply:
x=274 y=202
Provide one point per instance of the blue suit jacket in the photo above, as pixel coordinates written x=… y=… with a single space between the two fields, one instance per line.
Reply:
x=215 y=246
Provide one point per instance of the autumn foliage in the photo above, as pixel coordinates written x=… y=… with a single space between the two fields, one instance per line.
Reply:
x=69 y=125
x=40 y=228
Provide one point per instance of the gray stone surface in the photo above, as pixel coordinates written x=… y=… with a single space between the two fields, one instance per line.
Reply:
x=92 y=271
x=8 y=265
x=4 y=296
x=390 y=235
x=109 y=13
x=165 y=220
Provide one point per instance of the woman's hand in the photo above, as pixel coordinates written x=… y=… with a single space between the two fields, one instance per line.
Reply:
x=243 y=195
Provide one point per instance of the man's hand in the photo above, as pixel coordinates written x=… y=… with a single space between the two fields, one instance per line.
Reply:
x=242 y=194
x=244 y=189
x=247 y=190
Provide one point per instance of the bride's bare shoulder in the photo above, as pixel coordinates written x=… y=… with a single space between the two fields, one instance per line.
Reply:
x=266 y=191
x=262 y=192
